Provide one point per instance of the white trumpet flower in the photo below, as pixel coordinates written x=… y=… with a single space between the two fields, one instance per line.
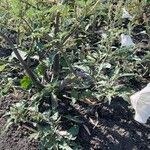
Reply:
x=126 y=14
x=126 y=41
x=140 y=101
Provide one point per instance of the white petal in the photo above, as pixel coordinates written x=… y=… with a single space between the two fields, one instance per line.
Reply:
x=126 y=41
x=138 y=117
x=134 y=98
x=141 y=103
x=126 y=15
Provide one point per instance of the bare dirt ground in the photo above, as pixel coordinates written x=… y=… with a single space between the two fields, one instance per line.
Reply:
x=103 y=127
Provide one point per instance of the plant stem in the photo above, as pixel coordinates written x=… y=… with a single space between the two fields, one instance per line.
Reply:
x=56 y=63
x=68 y=63
x=29 y=72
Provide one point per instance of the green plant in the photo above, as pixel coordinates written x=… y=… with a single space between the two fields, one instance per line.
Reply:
x=76 y=45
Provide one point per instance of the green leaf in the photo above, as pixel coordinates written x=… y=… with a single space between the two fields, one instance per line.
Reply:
x=73 y=118
x=80 y=3
x=41 y=69
x=74 y=130
x=53 y=9
x=65 y=146
x=25 y=82
x=7 y=87
x=74 y=96
x=82 y=67
x=55 y=116
x=15 y=7
x=2 y=67
x=31 y=12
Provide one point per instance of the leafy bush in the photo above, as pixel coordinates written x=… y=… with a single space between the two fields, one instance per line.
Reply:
x=66 y=49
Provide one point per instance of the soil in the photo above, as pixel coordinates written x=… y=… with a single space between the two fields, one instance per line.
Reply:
x=101 y=127
x=16 y=138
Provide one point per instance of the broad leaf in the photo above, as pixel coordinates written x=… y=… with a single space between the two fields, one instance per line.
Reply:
x=25 y=82
x=2 y=67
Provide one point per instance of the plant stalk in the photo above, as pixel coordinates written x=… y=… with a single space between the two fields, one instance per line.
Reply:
x=29 y=72
x=56 y=64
